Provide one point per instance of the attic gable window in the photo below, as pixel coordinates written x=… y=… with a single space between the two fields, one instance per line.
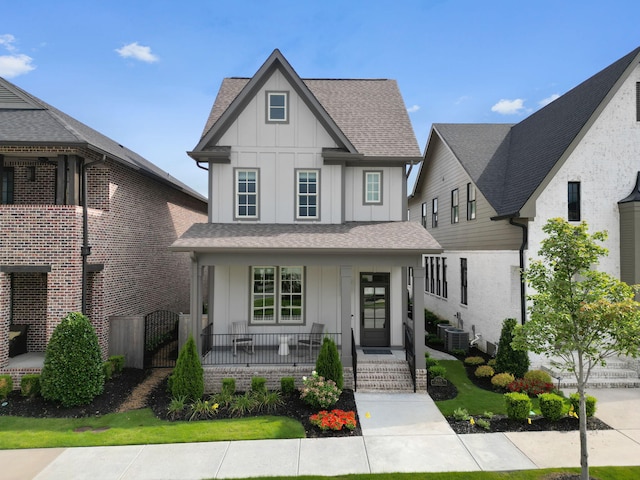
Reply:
x=277 y=107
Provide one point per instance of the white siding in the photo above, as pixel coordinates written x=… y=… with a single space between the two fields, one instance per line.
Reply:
x=392 y=195
x=606 y=162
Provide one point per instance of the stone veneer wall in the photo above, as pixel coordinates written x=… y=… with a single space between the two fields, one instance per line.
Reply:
x=213 y=376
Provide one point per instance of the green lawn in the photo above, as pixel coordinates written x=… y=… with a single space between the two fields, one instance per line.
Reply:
x=475 y=400
x=137 y=427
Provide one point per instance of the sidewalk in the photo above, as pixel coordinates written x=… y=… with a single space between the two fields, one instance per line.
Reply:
x=400 y=433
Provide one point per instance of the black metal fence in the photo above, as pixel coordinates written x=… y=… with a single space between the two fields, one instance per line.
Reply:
x=262 y=348
x=161 y=339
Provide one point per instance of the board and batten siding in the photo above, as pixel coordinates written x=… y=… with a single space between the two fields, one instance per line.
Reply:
x=442 y=174
x=391 y=208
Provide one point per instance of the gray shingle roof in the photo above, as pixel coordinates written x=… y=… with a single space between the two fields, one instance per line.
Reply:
x=27 y=119
x=508 y=162
x=362 y=237
x=370 y=112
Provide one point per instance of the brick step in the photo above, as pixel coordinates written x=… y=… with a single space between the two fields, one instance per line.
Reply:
x=387 y=376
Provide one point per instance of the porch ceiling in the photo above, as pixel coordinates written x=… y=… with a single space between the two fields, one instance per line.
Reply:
x=362 y=238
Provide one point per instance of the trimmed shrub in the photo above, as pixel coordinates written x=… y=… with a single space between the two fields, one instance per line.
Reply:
x=72 y=373
x=229 y=386
x=530 y=387
x=118 y=363
x=509 y=360
x=30 y=385
x=258 y=384
x=484 y=371
x=502 y=380
x=590 y=404
x=328 y=364
x=6 y=385
x=287 y=385
x=518 y=405
x=492 y=363
x=437 y=371
x=107 y=369
x=551 y=406
x=473 y=361
x=187 y=379
x=538 y=376
x=431 y=362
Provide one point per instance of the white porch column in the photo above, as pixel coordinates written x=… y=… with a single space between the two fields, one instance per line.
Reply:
x=346 y=287
x=195 y=304
x=418 y=317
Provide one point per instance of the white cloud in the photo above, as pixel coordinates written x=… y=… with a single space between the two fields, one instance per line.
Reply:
x=508 y=107
x=7 y=40
x=14 y=65
x=413 y=108
x=462 y=99
x=546 y=101
x=137 y=52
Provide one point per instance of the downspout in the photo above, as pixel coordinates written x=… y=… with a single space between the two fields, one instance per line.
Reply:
x=525 y=239
x=85 y=250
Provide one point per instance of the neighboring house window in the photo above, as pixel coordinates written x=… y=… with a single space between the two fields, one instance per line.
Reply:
x=7 y=185
x=277 y=107
x=434 y=212
x=455 y=208
x=471 y=201
x=638 y=101
x=463 y=281
x=436 y=276
x=247 y=193
x=573 y=214
x=424 y=215
x=372 y=187
x=307 y=197
x=277 y=295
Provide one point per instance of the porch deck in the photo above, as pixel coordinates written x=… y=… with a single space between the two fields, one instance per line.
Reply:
x=30 y=360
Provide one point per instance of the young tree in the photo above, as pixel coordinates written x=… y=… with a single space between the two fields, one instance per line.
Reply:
x=509 y=360
x=578 y=316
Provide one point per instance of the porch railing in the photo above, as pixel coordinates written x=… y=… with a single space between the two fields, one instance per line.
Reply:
x=263 y=348
x=410 y=353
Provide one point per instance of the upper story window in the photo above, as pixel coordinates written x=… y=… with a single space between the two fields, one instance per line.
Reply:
x=423 y=218
x=455 y=206
x=7 y=185
x=372 y=187
x=638 y=101
x=471 y=201
x=307 y=196
x=246 y=194
x=573 y=202
x=434 y=212
x=278 y=107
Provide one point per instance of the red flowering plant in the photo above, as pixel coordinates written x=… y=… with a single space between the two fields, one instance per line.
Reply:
x=334 y=420
x=532 y=387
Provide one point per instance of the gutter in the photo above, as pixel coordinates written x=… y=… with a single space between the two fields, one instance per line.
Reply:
x=525 y=238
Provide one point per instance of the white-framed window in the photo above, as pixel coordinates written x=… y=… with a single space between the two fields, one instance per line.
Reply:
x=423 y=218
x=307 y=193
x=246 y=202
x=455 y=206
x=277 y=107
x=277 y=295
x=471 y=201
x=373 y=187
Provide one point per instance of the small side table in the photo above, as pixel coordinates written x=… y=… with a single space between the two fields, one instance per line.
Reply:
x=284 y=345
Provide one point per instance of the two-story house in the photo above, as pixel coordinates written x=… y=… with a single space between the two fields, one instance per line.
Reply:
x=484 y=191
x=84 y=226
x=307 y=219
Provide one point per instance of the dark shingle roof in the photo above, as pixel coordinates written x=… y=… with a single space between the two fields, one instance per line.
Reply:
x=360 y=237
x=27 y=119
x=369 y=112
x=508 y=162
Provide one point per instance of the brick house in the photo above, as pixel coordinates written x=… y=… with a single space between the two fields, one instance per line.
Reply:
x=307 y=222
x=485 y=191
x=56 y=256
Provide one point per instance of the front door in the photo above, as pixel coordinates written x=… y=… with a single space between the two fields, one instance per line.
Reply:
x=374 y=309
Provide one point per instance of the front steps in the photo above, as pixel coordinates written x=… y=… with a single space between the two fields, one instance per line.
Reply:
x=388 y=375
x=618 y=373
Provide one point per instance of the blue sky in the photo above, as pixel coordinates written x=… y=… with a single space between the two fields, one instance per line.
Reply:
x=146 y=73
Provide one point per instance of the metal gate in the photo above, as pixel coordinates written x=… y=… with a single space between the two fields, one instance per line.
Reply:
x=161 y=339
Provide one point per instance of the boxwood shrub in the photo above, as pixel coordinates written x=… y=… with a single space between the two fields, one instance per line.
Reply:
x=518 y=405
x=30 y=385
x=590 y=404
x=6 y=385
x=551 y=406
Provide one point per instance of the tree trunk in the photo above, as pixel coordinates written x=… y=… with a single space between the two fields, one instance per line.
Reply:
x=582 y=414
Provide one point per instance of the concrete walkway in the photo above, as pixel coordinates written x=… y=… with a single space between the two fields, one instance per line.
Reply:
x=400 y=433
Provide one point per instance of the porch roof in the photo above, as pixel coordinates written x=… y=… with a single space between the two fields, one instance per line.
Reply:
x=390 y=238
